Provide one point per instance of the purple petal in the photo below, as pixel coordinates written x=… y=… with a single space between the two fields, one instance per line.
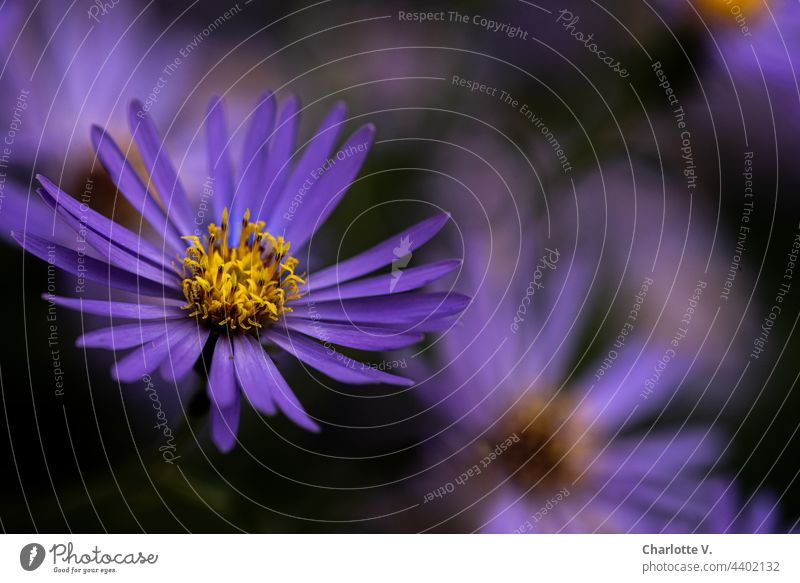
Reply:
x=328 y=191
x=636 y=385
x=332 y=363
x=362 y=338
x=221 y=380
x=660 y=498
x=225 y=424
x=160 y=168
x=255 y=156
x=83 y=266
x=123 y=310
x=278 y=165
x=106 y=228
x=396 y=282
x=250 y=373
x=147 y=357
x=219 y=161
x=184 y=354
x=406 y=310
x=380 y=255
x=122 y=336
x=130 y=185
x=118 y=256
x=19 y=212
x=506 y=513
x=313 y=157
x=661 y=456
x=283 y=396
x=435 y=325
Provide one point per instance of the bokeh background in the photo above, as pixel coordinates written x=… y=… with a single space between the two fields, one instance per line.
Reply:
x=676 y=160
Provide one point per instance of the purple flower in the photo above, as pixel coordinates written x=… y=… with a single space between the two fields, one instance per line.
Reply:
x=74 y=68
x=540 y=438
x=66 y=66
x=225 y=289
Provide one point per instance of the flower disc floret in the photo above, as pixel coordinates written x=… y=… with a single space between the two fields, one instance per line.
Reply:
x=239 y=287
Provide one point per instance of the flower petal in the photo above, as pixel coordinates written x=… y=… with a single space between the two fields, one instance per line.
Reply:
x=219 y=161
x=327 y=192
x=184 y=354
x=659 y=457
x=315 y=154
x=255 y=157
x=225 y=424
x=106 y=228
x=83 y=266
x=332 y=363
x=21 y=212
x=125 y=310
x=279 y=163
x=118 y=256
x=250 y=373
x=147 y=357
x=282 y=395
x=221 y=379
x=405 y=310
x=380 y=255
x=390 y=283
x=132 y=188
x=362 y=338
x=159 y=166
x=122 y=336
x=285 y=398
x=635 y=386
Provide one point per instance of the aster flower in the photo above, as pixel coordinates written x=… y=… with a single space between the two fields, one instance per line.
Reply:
x=225 y=292
x=75 y=68
x=535 y=440
x=62 y=70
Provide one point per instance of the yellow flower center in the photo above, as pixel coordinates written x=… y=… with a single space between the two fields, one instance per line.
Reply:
x=552 y=451
x=739 y=10
x=246 y=286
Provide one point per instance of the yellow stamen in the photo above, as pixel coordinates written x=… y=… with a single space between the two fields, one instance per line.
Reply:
x=242 y=287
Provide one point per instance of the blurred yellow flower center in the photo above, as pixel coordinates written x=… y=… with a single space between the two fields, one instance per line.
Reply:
x=731 y=8
x=244 y=287
x=552 y=451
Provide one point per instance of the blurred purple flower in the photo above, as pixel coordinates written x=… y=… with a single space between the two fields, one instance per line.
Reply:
x=76 y=70
x=547 y=441
x=238 y=285
x=63 y=70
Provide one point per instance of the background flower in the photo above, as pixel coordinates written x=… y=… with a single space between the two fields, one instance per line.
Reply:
x=544 y=433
